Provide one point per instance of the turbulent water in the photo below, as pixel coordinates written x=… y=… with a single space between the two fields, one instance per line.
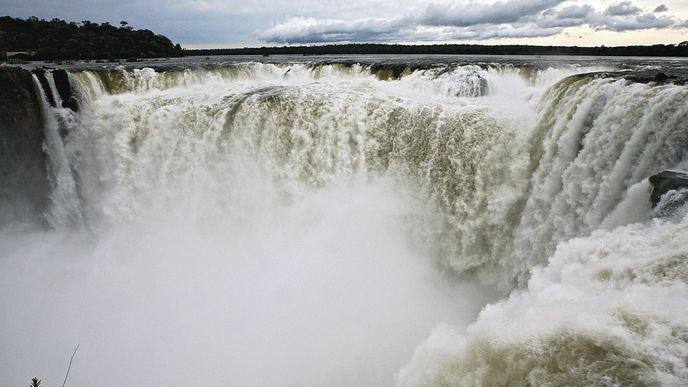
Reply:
x=350 y=223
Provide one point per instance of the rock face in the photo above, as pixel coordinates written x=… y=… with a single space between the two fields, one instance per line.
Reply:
x=64 y=89
x=666 y=181
x=62 y=86
x=661 y=77
x=24 y=188
x=388 y=71
x=647 y=77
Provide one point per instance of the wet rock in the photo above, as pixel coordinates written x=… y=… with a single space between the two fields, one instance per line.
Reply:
x=388 y=71
x=672 y=204
x=666 y=181
x=40 y=74
x=62 y=85
x=660 y=77
x=647 y=77
x=655 y=78
x=663 y=78
x=24 y=187
x=71 y=103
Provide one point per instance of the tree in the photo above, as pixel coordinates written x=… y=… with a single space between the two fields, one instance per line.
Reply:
x=58 y=39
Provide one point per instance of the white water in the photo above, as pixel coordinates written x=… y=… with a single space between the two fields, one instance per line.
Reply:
x=248 y=227
x=64 y=210
x=608 y=309
x=316 y=294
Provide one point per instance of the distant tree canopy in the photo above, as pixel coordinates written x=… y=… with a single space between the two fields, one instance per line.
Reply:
x=453 y=49
x=58 y=39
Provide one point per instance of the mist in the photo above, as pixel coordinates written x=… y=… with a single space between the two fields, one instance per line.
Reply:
x=326 y=290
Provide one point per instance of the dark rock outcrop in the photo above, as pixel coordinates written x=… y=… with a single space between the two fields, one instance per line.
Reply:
x=24 y=188
x=388 y=71
x=666 y=181
x=62 y=85
x=661 y=77
x=647 y=77
x=71 y=103
x=43 y=80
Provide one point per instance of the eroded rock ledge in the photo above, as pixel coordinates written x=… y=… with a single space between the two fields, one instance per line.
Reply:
x=24 y=188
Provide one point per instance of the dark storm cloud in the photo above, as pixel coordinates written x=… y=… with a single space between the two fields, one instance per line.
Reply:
x=471 y=21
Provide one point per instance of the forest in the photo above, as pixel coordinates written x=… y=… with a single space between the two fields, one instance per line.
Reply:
x=58 y=39
x=680 y=49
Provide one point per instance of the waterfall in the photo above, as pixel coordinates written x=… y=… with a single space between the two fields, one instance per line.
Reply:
x=65 y=204
x=325 y=218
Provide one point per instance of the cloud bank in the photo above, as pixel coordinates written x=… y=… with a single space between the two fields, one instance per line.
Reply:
x=472 y=21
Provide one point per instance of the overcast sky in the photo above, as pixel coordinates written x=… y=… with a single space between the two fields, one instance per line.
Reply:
x=231 y=23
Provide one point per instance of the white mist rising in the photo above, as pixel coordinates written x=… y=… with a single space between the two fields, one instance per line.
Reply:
x=325 y=291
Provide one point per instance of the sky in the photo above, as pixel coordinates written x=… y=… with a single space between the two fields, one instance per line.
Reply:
x=239 y=23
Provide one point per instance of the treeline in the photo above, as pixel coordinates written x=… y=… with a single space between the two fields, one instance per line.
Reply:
x=452 y=49
x=58 y=39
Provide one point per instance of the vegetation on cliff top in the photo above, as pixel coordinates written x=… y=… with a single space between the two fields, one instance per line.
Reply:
x=58 y=39
x=680 y=50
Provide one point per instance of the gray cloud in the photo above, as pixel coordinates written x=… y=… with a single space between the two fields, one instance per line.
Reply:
x=570 y=16
x=661 y=8
x=572 y=12
x=310 y=30
x=623 y=8
x=301 y=30
x=501 y=31
x=640 y=22
x=478 y=13
x=474 y=21
x=240 y=22
x=619 y=17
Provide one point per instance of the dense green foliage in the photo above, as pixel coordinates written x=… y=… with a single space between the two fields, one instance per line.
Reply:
x=452 y=49
x=57 y=39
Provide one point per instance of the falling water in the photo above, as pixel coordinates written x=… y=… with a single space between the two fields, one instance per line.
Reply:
x=312 y=224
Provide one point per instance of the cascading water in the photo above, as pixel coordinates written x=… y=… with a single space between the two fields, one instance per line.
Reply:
x=295 y=224
x=65 y=208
